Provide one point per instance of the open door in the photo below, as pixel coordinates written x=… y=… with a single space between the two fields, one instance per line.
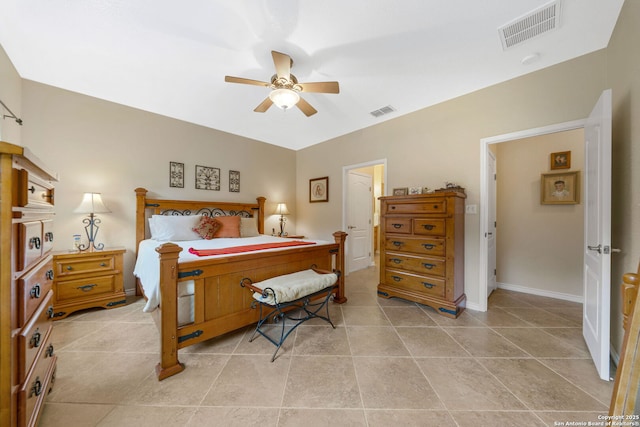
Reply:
x=359 y=220
x=597 y=234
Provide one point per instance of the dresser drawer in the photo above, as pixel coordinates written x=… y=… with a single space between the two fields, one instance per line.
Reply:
x=83 y=265
x=31 y=191
x=398 y=225
x=35 y=389
x=33 y=337
x=33 y=288
x=435 y=205
x=434 y=246
x=47 y=236
x=84 y=288
x=414 y=282
x=429 y=227
x=29 y=244
x=423 y=265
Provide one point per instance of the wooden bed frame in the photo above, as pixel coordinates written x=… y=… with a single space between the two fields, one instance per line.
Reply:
x=221 y=305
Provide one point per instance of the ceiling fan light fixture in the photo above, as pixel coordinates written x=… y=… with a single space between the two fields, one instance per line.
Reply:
x=284 y=98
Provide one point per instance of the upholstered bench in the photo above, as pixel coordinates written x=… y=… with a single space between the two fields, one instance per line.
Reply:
x=297 y=297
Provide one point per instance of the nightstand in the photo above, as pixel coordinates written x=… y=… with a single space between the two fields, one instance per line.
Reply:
x=87 y=279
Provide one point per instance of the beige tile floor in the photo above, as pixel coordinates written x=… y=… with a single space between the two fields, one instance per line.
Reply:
x=389 y=362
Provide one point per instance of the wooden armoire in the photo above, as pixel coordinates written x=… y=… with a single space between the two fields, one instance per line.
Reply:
x=27 y=357
x=422 y=250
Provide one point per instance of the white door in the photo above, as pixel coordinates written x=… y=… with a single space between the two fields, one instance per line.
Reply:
x=359 y=220
x=597 y=233
x=491 y=224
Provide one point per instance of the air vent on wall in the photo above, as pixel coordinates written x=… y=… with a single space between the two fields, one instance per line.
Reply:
x=382 y=111
x=542 y=20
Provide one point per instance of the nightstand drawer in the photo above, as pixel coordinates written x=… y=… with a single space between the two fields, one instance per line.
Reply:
x=84 y=288
x=33 y=288
x=429 y=227
x=82 y=265
x=33 y=337
x=428 y=285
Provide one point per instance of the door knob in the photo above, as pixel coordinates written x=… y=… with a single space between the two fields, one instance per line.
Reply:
x=595 y=248
x=351 y=227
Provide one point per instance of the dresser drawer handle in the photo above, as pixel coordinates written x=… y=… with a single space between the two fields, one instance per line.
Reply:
x=31 y=189
x=35 y=291
x=428 y=246
x=35 y=339
x=396 y=260
x=69 y=268
x=50 y=312
x=396 y=278
x=397 y=243
x=428 y=226
x=87 y=288
x=49 y=351
x=397 y=226
x=34 y=242
x=48 y=236
x=103 y=264
x=428 y=285
x=428 y=266
x=49 y=275
x=36 y=388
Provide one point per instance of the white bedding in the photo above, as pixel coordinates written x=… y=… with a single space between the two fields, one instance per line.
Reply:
x=147 y=267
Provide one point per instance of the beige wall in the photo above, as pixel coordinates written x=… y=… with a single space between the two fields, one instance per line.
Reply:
x=539 y=247
x=11 y=95
x=104 y=147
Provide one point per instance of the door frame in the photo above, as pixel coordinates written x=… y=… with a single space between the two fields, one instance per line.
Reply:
x=484 y=195
x=345 y=191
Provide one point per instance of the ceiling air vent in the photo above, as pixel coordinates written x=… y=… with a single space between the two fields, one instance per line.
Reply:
x=542 y=20
x=382 y=111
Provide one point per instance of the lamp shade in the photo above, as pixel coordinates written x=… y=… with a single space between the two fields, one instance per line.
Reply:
x=284 y=98
x=92 y=203
x=281 y=209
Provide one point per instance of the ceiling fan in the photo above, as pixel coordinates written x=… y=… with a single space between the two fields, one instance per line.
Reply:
x=285 y=87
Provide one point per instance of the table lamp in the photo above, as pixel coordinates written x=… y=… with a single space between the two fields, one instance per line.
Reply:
x=91 y=204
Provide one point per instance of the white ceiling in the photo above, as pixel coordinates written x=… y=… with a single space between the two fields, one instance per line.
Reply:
x=171 y=57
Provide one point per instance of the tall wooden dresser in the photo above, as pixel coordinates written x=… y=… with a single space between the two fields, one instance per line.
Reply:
x=27 y=359
x=422 y=250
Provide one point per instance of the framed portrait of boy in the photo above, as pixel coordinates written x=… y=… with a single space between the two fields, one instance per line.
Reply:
x=561 y=188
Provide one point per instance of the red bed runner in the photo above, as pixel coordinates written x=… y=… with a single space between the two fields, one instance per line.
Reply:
x=248 y=248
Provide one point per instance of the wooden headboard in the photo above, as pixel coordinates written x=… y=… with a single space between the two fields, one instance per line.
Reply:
x=146 y=207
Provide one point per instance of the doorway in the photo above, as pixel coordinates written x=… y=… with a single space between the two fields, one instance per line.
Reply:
x=360 y=213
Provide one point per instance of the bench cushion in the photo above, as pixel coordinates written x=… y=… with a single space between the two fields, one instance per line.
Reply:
x=290 y=287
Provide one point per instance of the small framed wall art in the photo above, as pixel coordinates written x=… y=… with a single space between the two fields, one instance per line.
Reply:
x=207 y=178
x=234 y=181
x=176 y=174
x=561 y=188
x=561 y=160
x=319 y=189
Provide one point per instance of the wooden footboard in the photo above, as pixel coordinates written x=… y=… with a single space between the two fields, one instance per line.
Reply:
x=221 y=305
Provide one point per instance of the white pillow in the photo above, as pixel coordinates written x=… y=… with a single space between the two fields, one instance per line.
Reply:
x=174 y=227
x=248 y=227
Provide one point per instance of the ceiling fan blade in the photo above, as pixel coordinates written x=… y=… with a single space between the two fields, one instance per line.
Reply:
x=230 y=79
x=306 y=108
x=320 y=87
x=264 y=105
x=283 y=63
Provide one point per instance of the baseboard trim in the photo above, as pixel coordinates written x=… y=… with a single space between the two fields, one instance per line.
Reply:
x=541 y=292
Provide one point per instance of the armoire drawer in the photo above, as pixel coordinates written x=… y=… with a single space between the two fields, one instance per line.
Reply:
x=434 y=246
x=84 y=288
x=422 y=265
x=35 y=389
x=398 y=225
x=31 y=191
x=33 y=288
x=33 y=337
x=429 y=285
x=435 y=205
x=29 y=244
x=429 y=227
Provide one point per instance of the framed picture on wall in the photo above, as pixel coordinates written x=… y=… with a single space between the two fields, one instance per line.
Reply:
x=562 y=188
x=319 y=189
x=234 y=181
x=561 y=160
x=176 y=174
x=207 y=178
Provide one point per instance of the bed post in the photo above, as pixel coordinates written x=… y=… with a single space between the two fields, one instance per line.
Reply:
x=340 y=237
x=261 y=214
x=169 y=364
x=141 y=195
